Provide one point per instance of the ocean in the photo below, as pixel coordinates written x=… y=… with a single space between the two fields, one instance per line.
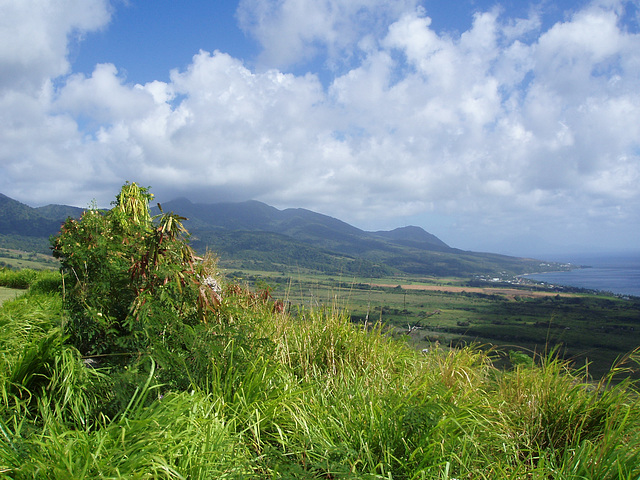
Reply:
x=619 y=274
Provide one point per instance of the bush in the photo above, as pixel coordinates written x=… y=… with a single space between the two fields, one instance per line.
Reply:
x=17 y=278
x=133 y=280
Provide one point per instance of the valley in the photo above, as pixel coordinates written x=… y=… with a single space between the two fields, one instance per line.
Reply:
x=409 y=281
x=582 y=326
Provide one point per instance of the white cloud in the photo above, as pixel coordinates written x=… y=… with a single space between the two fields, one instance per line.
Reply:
x=296 y=31
x=105 y=98
x=504 y=126
x=42 y=155
x=35 y=34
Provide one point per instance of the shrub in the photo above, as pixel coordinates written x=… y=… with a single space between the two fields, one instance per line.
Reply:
x=133 y=280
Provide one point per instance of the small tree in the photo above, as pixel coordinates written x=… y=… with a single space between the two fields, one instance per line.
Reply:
x=134 y=280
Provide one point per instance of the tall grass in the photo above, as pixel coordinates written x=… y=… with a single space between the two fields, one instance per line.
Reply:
x=17 y=278
x=262 y=393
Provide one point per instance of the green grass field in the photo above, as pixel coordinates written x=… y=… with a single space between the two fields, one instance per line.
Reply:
x=9 y=293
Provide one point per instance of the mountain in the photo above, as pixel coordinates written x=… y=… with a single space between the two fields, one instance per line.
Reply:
x=302 y=225
x=27 y=228
x=59 y=213
x=300 y=237
x=414 y=237
x=255 y=235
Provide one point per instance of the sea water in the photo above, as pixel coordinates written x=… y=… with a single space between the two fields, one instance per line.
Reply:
x=618 y=274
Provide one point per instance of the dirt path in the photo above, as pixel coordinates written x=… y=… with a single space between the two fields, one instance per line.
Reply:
x=9 y=293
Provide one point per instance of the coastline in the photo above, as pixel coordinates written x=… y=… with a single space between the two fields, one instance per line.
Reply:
x=609 y=280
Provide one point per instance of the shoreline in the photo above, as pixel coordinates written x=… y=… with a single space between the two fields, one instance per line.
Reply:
x=600 y=279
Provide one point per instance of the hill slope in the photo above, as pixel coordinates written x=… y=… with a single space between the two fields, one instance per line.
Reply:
x=255 y=235
x=26 y=228
x=408 y=249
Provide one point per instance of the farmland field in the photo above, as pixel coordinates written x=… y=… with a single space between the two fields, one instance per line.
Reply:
x=18 y=259
x=584 y=327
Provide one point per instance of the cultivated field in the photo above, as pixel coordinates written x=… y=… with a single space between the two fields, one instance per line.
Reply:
x=584 y=327
x=510 y=293
x=8 y=293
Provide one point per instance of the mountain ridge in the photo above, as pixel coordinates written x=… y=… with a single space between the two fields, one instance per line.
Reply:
x=288 y=220
x=252 y=234
x=408 y=249
x=17 y=218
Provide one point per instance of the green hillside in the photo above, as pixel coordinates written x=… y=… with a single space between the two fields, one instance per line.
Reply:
x=25 y=228
x=278 y=253
x=257 y=235
x=150 y=365
x=408 y=249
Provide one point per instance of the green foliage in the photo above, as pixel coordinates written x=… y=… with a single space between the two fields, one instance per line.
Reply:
x=17 y=278
x=46 y=282
x=233 y=385
x=179 y=436
x=517 y=357
x=130 y=279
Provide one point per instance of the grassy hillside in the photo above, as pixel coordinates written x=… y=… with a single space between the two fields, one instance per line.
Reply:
x=308 y=395
x=584 y=326
x=277 y=252
x=27 y=259
x=19 y=219
x=149 y=365
x=28 y=229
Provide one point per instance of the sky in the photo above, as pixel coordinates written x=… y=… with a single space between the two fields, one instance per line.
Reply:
x=504 y=126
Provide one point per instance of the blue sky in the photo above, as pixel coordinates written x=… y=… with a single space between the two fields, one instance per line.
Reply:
x=149 y=39
x=506 y=126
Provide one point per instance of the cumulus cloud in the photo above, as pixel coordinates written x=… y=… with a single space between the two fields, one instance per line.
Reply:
x=296 y=31
x=35 y=35
x=506 y=127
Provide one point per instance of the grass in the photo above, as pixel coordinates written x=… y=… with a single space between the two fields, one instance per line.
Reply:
x=302 y=394
x=587 y=328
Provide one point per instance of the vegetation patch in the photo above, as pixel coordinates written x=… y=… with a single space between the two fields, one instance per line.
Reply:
x=581 y=326
x=140 y=360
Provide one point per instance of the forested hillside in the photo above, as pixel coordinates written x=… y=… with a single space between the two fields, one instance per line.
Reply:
x=25 y=228
x=258 y=236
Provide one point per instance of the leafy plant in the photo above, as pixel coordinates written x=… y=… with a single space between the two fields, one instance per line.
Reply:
x=132 y=278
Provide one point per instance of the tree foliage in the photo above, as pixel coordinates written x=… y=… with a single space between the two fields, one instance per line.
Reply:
x=116 y=262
